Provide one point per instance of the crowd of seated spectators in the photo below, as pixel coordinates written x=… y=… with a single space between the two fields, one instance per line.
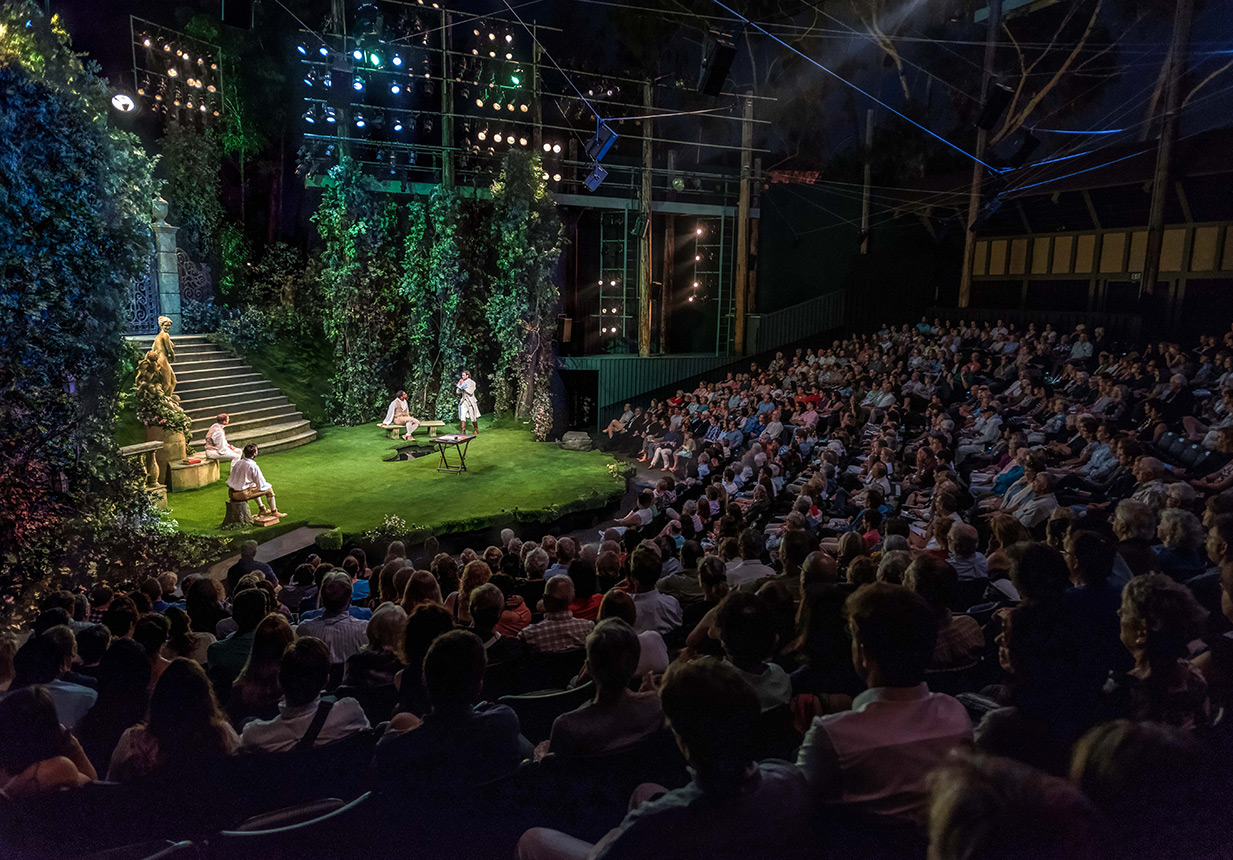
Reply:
x=964 y=590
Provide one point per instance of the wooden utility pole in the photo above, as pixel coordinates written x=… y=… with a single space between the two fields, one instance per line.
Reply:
x=868 y=181
x=644 y=238
x=742 y=231
x=751 y=294
x=1168 y=139
x=978 y=171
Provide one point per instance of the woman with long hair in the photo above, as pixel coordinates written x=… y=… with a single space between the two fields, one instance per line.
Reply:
x=475 y=574
x=183 y=640
x=37 y=754
x=123 y=695
x=204 y=604
x=424 y=625
x=184 y=731
x=255 y=693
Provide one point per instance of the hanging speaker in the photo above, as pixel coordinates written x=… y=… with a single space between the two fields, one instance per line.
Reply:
x=1030 y=144
x=237 y=13
x=995 y=103
x=716 y=63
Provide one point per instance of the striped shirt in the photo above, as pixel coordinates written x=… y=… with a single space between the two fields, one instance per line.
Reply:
x=344 y=634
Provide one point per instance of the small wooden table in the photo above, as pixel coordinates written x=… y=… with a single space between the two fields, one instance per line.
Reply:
x=458 y=443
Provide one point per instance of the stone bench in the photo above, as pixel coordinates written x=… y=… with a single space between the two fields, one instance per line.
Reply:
x=192 y=476
x=395 y=431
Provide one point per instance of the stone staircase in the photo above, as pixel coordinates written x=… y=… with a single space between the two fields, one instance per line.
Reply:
x=210 y=380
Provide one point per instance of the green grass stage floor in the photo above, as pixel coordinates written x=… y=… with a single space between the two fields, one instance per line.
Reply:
x=342 y=481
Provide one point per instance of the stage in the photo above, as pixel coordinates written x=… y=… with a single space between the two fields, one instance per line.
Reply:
x=343 y=480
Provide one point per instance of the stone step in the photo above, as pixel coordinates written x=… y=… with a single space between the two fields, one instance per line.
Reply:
x=208 y=380
x=207 y=361
x=240 y=408
x=263 y=436
x=147 y=340
x=187 y=351
x=222 y=395
x=243 y=421
x=289 y=442
x=225 y=401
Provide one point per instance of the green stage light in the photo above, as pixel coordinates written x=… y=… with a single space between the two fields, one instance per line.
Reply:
x=515 y=80
x=374 y=58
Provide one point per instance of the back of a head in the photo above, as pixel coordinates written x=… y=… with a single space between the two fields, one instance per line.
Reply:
x=422 y=587
x=454 y=669
x=151 y=633
x=536 y=563
x=29 y=729
x=963 y=539
x=746 y=628
x=336 y=593
x=618 y=604
x=121 y=616
x=558 y=594
x=38 y=661
x=752 y=544
x=1092 y=556
x=714 y=713
x=645 y=567
x=92 y=642
x=248 y=608
x=892 y=566
x=933 y=579
x=896 y=628
x=1038 y=571
x=425 y=623
x=613 y=650
x=796 y=547
x=385 y=628
x=124 y=670
x=304 y=671
x=248 y=549
x=1156 y=785
x=487 y=603
x=987 y=808
x=183 y=706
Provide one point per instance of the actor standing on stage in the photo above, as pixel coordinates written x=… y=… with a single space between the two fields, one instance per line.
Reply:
x=216 y=445
x=399 y=414
x=468 y=406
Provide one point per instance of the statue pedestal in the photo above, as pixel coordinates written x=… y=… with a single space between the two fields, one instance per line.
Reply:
x=175 y=447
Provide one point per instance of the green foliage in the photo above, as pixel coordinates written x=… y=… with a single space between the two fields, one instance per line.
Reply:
x=156 y=409
x=235 y=251
x=364 y=312
x=200 y=317
x=74 y=232
x=190 y=161
x=527 y=239
x=282 y=277
x=329 y=540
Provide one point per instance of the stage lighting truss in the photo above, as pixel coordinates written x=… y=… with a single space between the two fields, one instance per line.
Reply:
x=176 y=73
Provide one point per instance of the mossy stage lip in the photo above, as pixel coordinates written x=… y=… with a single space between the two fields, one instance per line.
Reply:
x=344 y=480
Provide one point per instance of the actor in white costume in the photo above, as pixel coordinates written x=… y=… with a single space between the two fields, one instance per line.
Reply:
x=397 y=413
x=216 y=445
x=246 y=482
x=468 y=406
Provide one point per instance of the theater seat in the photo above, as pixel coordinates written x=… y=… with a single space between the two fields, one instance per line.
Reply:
x=340 y=832
x=551 y=670
x=536 y=711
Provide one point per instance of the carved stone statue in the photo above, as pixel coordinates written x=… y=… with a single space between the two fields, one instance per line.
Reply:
x=163 y=345
x=154 y=371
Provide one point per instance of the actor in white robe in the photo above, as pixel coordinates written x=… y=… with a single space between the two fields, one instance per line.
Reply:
x=216 y=445
x=397 y=413
x=468 y=405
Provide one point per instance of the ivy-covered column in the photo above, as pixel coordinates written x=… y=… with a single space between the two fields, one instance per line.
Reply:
x=166 y=270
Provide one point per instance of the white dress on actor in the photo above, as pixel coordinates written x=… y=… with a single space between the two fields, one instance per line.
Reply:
x=217 y=447
x=468 y=405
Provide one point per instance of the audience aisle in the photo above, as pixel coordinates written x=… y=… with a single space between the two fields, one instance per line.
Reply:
x=963 y=590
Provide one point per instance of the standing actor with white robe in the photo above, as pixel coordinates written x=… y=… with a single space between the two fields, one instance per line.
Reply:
x=468 y=405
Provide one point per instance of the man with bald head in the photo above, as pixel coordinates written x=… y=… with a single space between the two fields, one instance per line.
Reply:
x=560 y=630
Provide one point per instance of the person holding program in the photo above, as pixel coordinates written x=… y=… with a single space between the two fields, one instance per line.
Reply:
x=468 y=405
x=398 y=413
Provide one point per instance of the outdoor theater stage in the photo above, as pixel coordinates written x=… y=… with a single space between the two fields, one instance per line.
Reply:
x=344 y=480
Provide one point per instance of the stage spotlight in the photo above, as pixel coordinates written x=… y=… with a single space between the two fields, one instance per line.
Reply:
x=309 y=118
x=696 y=285
x=330 y=116
x=308 y=79
x=556 y=149
x=357 y=55
x=603 y=310
x=522 y=141
x=479 y=103
x=146 y=41
x=395 y=89
x=509 y=37
x=614 y=310
x=167 y=48
x=556 y=177
x=357 y=84
x=547 y=147
x=697 y=258
x=323 y=51
x=483 y=135
x=691 y=298
x=497 y=137
x=360 y=121
x=303 y=51
x=397 y=125
x=612 y=283
x=374 y=59
x=523 y=108
x=698 y=231
x=172 y=73
x=123 y=102
x=396 y=61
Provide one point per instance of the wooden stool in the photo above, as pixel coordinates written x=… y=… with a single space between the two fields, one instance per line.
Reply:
x=191 y=476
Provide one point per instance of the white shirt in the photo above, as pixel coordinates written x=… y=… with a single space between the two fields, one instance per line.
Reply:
x=246 y=475
x=216 y=438
x=656 y=611
x=284 y=731
x=398 y=406
x=742 y=570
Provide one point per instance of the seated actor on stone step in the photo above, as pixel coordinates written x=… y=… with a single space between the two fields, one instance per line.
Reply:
x=216 y=445
x=246 y=482
x=399 y=414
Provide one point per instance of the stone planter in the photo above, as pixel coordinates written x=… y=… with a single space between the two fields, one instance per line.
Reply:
x=174 y=449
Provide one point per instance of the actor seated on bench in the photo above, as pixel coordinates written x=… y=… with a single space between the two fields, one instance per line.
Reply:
x=399 y=414
x=246 y=482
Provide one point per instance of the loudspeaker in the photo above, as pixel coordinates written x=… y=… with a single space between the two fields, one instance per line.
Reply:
x=996 y=102
x=1030 y=144
x=341 y=75
x=601 y=142
x=716 y=64
x=565 y=329
x=596 y=179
